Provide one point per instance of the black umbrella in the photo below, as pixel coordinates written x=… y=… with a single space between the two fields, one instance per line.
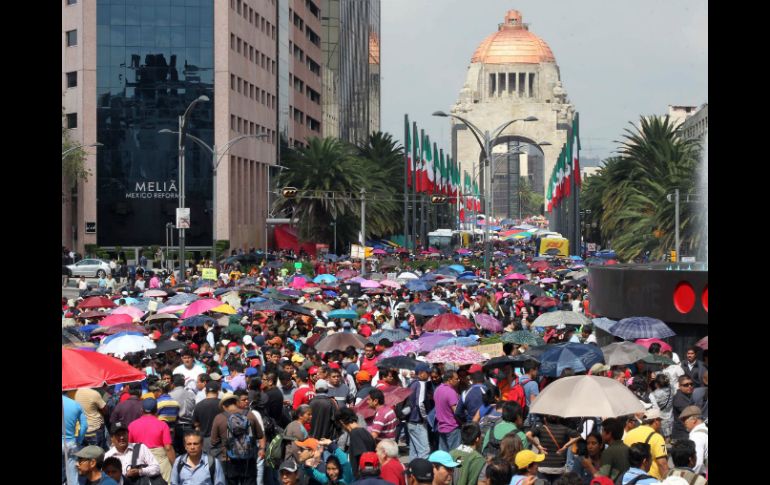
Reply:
x=198 y=321
x=275 y=264
x=503 y=360
x=570 y=283
x=268 y=305
x=222 y=291
x=165 y=346
x=533 y=290
x=427 y=309
x=249 y=280
x=298 y=309
x=399 y=362
x=94 y=293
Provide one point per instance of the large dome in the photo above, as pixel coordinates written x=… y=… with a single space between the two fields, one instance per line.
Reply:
x=513 y=43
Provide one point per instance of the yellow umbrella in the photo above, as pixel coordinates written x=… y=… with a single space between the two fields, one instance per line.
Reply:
x=226 y=309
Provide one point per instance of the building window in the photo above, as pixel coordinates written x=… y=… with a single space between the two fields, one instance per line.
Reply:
x=501 y=83
x=72 y=38
x=72 y=120
x=72 y=2
x=232 y=126
x=531 y=84
x=492 y=84
x=232 y=82
x=522 y=83
x=511 y=83
x=72 y=79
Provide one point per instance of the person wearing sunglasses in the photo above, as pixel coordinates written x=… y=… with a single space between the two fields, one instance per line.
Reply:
x=682 y=399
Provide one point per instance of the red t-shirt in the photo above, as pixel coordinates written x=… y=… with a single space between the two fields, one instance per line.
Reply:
x=393 y=471
x=303 y=395
x=369 y=365
x=150 y=431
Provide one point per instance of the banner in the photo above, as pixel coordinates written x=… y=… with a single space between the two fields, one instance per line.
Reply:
x=493 y=350
x=550 y=243
x=209 y=274
x=357 y=251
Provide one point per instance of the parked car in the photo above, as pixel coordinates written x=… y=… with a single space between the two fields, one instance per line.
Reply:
x=90 y=267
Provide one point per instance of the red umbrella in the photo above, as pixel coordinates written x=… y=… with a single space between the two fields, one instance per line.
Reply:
x=90 y=369
x=703 y=343
x=92 y=314
x=392 y=397
x=646 y=342
x=539 y=266
x=447 y=321
x=116 y=319
x=545 y=302
x=96 y=302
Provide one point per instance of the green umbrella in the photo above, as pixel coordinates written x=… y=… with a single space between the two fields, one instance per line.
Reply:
x=522 y=337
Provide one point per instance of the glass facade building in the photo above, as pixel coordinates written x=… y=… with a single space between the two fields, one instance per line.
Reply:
x=351 y=46
x=154 y=57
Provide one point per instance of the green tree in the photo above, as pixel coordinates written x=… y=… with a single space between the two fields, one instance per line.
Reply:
x=629 y=192
x=531 y=202
x=384 y=158
x=73 y=163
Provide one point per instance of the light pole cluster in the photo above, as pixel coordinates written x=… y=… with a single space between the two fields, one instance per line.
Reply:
x=486 y=141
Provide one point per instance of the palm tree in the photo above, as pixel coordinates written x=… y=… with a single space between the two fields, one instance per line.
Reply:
x=629 y=192
x=385 y=174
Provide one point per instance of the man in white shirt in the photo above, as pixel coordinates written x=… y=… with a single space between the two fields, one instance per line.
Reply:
x=699 y=434
x=146 y=464
x=189 y=370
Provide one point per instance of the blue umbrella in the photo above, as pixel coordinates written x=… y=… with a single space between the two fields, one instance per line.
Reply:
x=325 y=278
x=458 y=267
x=392 y=335
x=578 y=357
x=350 y=314
x=330 y=293
x=268 y=305
x=182 y=299
x=432 y=276
x=604 y=323
x=88 y=328
x=141 y=304
x=633 y=328
x=417 y=285
x=427 y=309
x=466 y=274
x=256 y=299
x=459 y=341
x=121 y=334
x=576 y=258
x=222 y=291
x=446 y=271
x=198 y=321
x=130 y=300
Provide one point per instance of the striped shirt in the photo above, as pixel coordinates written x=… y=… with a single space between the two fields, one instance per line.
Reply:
x=168 y=409
x=385 y=423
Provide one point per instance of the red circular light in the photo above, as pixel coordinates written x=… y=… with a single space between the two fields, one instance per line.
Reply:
x=684 y=297
x=704 y=298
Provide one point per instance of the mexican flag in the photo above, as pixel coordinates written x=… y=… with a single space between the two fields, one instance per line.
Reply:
x=416 y=160
x=427 y=157
x=438 y=156
x=576 y=149
x=408 y=151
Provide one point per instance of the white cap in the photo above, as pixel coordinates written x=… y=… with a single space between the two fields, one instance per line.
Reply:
x=331 y=325
x=247 y=340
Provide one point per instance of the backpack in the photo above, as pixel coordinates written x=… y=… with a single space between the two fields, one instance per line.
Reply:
x=488 y=424
x=276 y=449
x=212 y=468
x=240 y=437
x=518 y=395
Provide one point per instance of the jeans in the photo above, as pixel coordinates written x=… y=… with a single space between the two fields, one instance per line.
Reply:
x=449 y=441
x=260 y=471
x=97 y=438
x=419 y=447
x=69 y=470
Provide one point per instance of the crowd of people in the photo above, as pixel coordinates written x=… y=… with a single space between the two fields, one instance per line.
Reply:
x=248 y=398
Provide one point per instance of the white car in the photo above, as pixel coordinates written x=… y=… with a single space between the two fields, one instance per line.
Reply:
x=90 y=267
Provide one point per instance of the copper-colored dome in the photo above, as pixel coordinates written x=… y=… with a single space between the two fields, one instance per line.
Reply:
x=513 y=43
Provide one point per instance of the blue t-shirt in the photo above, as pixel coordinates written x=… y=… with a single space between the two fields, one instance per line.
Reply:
x=518 y=479
x=105 y=480
x=73 y=413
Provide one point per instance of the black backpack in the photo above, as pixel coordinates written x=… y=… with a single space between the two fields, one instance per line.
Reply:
x=212 y=468
x=489 y=423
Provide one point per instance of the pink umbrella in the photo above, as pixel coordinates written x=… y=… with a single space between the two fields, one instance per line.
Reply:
x=390 y=283
x=345 y=274
x=357 y=279
x=703 y=343
x=298 y=283
x=456 y=355
x=488 y=322
x=131 y=311
x=549 y=280
x=172 y=308
x=199 y=306
x=379 y=252
x=646 y=342
x=516 y=276
x=402 y=348
x=155 y=294
x=369 y=284
x=116 y=319
x=463 y=251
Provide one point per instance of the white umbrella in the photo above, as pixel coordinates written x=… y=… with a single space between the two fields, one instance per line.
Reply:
x=561 y=317
x=407 y=276
x=125 y=344
x=582 y=396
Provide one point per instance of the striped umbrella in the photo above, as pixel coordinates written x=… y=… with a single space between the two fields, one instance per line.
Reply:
x=633 y=328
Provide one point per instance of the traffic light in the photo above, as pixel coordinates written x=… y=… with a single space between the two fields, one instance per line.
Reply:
x=438 y=199
x=289 y=192
x=673 y=256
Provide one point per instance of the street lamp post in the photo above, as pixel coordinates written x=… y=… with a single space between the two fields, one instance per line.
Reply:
x=486 y=142
x=584 y=233
x=217 y=156
x=72 y=149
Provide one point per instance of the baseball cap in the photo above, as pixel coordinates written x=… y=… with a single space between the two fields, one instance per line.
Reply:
x=421 y=469
x=346 y=324
x=247 y=340
x=313 y=370
x=94 y=452
x=289 y=465
x=652 y=413
x=475 y=368
x=363 y=376
x=442 y=458
x=524 y=458
x=311 y=443
x=690 y=411
x=117 y=428
x=298 y=358
x=150 y=405
x=321 y=384
x=251 y=371
x=422 y=367
x=334 y=365
x=370 y=460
